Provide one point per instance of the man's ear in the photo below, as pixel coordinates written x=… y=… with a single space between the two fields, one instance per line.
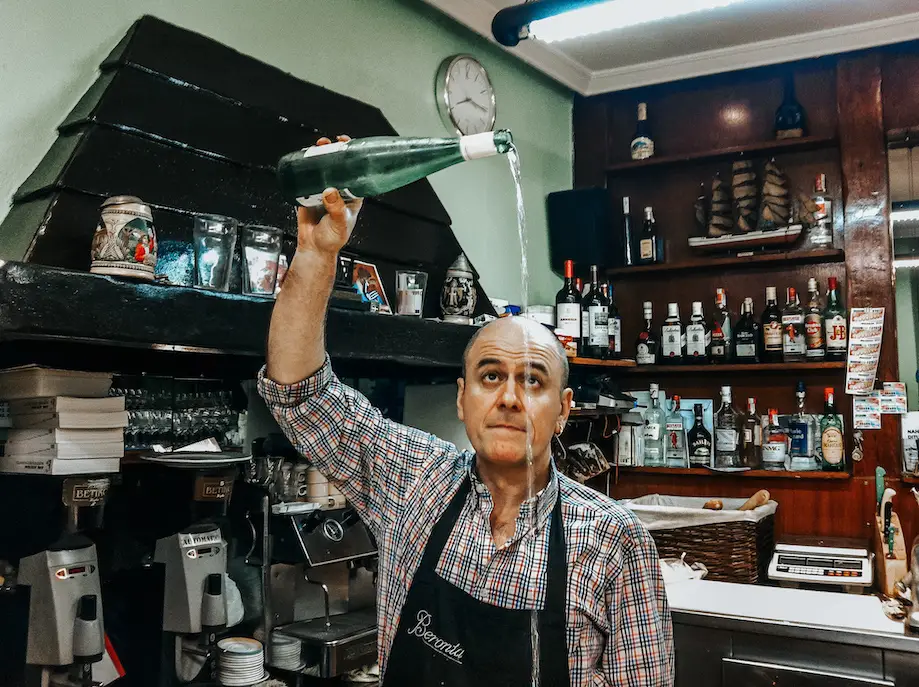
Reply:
x=460 y=389
x=567 y=395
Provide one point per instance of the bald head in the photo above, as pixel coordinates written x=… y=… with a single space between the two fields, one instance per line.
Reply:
x=514 y=329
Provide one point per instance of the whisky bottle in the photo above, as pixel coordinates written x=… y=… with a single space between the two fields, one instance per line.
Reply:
x=646 y=347
x=649 y=243
x=727 y=425
x=832 y=442
x=772 y=328
x=700 y=441
x=836 y=322
x=746 y=336
x=813 y=324
x=722 y=334
x=698 y=337
x=642 y=146
x=372 y=166
x=775 y=443
x=673 y=339
x=793 y=345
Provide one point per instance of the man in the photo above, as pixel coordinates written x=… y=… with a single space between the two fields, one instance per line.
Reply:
x=468 y=546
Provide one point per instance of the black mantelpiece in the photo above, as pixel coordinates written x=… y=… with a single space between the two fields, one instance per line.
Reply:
x=191 y=126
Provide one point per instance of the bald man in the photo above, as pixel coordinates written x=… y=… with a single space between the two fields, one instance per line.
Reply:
x=468 y=548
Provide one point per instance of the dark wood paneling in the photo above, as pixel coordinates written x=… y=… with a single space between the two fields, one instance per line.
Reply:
x=900 y=92
x=589 y=129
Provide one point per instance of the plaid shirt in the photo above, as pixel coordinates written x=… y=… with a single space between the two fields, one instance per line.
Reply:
x=401 y=479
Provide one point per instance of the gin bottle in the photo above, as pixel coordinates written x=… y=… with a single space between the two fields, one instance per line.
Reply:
x=727 y=424
x=655 y=423
x=372 y=166
x=675 y=438
x=801 y=431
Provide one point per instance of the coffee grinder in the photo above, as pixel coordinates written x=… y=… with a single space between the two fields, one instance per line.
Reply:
x=66 y=634
x=194 y=601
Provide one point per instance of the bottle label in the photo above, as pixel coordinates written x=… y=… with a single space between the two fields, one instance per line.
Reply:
x=672 y=337
x=646 y=249
x=831 y=443
x=718 y=348
x=652 y=432
x=725 y=439
x=642 y=148
x=774 y=452
x=836 y=334
x=793 y=334
x=675 y=434
x=585 y=323
x=797 y=430
x=643 y=355
x=599 y=326
x=568 y=319
x=615 y=334
x=813 y=335
x=772 y=336
x=695 y=340
x=789 y=133
x=701 y=452
x=746 y=350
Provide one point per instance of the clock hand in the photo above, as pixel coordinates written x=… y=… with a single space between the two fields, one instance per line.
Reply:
x=476 y=105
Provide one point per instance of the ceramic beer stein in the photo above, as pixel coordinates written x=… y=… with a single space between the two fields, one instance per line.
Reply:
x=458 y=297
x=124 y=244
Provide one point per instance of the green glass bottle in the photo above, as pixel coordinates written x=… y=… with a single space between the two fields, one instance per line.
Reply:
x=832 y=439
x=372 y=166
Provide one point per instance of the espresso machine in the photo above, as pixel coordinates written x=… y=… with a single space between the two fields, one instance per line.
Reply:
x=322 y=587
x=194 y=602
x=66 y=634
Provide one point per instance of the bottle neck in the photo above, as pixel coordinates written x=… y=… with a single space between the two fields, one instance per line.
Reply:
x=789 y=98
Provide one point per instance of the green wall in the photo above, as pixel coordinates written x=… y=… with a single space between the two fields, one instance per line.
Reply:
x=384 y=52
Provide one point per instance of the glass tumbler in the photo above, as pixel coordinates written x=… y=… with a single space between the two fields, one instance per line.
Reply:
x=261 y=249
x=410 y=287
x=215 y=237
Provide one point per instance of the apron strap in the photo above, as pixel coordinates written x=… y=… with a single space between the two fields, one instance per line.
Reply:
x=553 y=619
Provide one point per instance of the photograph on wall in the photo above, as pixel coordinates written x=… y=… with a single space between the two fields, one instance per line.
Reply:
x=366 y=281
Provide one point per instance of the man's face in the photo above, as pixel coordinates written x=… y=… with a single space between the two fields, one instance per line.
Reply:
x=497 y=400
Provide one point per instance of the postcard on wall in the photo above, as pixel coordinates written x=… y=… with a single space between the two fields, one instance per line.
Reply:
x=866 y=412
x=866 y=328
x=366 y=281
x=893 y=398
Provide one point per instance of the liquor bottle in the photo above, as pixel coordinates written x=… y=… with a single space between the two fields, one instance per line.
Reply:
x=722 y=334
x=675 y=439
x=372 y=166
x=655 y=423
x=835 y=319
x=727 y=426
x=650 y=245
x=772 y=328
x=821 y=234
x=813 y=324
x=597 y=307
x=642 y=144
x=793 y=346
x=746 y=336
x=789 y=118
x=751 y=437
x=615 y=328
x=832 y=444
x=627 y=233
x=775 y=443
x=646 y=348
x=801 y=432
x=698 y=337
x=673 y=340
x=700 y=441
x=568 y=306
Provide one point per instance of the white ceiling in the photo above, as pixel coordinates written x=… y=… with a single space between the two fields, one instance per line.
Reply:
x=746 y=34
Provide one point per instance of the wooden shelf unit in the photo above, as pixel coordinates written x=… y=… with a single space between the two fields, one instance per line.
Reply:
x=801 y=257
x=737 y=367
x=593 y=362
x=758 y=149
x=767 y=474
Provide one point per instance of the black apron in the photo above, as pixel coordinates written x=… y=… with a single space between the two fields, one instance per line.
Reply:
x=446 y=637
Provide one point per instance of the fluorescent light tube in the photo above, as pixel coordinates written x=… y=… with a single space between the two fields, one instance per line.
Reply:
x=905 y=263
x=616 y=14
x=904 y=215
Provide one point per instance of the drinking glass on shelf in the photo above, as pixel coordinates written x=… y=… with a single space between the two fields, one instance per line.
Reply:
x=410 y=285
x=214 y=239
x=261 y=248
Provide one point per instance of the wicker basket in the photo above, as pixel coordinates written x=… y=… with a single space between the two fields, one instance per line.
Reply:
x=737 y=551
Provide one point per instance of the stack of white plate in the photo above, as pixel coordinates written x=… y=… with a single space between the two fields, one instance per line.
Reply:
x=240 y=662
x=284 y=652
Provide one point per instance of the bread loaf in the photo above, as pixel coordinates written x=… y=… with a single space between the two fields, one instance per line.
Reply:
x=713 y=504
x=760 y=498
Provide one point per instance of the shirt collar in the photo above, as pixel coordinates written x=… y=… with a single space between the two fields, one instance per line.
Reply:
x=543 y=502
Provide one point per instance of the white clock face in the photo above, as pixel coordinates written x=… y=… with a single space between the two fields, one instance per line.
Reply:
x=469 y=96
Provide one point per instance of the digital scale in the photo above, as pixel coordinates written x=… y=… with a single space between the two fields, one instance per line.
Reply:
x=831 y=564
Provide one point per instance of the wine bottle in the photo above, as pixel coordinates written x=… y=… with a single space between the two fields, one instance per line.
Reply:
x=789 y=118
x=614 y=323
x=646 y=347
x=642 y=144
x=648 y=241
x=377 y=164
x=746 y=336
x=568 y=306
x=836 y=322
x=627 y=233
x=597 y=307
x=722 y=334
x=772 y=328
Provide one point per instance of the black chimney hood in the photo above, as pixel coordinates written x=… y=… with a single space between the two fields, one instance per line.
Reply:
x=192 y=126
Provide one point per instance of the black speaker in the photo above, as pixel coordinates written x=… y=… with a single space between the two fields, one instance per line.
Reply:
x=580 y=229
